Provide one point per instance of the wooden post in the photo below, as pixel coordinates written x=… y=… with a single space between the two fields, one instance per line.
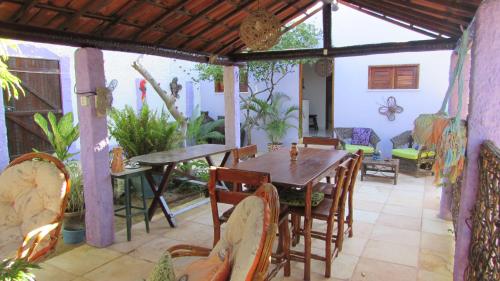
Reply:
x=483 y=122
x=327 y=44
x=94 y=153
x=232 y=105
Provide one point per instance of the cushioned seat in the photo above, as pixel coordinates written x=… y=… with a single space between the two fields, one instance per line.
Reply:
x=351 y=148
x=411 y=153
x=31 y=196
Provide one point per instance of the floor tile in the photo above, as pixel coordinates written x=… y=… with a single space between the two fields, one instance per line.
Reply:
x=396 y=235
x=153 y=250
x=424 y=275
x=440 y=227
x=83 y=259
x=49 y=272
x=375 y=270
x=402 y=211
x=435 y=262
x=343 y=266
x=368 y=206
x=362 y=229
x=365 y=216
x=391 y=252
x=354 y=246
x=438 y=243
x=404 y=222
x=139 y=238
x=124 y=269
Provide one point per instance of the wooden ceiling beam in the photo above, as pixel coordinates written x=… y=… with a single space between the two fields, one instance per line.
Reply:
x=27 y=5
x=78 y=13
x=464 y=5
x=349 y=51
x=230 y=14
x=285 y=21
x=159 y=19
x=409 y=17
x=44 y=35
x=199 y=15
x=420 y=9
x=217 y=40
x=383 y=17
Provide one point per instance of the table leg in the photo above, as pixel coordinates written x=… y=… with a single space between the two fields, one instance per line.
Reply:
x=128 y=210
x=158 y=195
x=307 y=233
x=144 y=206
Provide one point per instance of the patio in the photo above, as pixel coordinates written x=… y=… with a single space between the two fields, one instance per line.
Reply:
x=397 y=236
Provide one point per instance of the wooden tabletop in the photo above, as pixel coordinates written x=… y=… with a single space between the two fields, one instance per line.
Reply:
x=181 y=154
x=131 y=171
x=311 y=164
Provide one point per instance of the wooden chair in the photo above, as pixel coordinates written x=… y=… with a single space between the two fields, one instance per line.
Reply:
x=327 y=190
x=330 y=211
x=259 y=256
x=324 y=141
x=221 y=195
x=22 y=183
x=242 y=154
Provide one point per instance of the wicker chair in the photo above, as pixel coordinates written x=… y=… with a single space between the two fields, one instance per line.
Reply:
x=417 y=162
x=252 y=261
x=33 y=195
x=345 y=135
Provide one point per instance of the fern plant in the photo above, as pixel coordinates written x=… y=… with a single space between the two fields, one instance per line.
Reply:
x=143 y=132
x=17 y=270
x=199 y=132
x=274 y=119
x=61 y=134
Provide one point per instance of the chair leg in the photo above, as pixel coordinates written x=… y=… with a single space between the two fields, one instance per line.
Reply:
x=295 y=230
x=285 y=246
x=328 y=254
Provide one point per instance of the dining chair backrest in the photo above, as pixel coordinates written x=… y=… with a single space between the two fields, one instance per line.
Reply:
x=219 y=194
x=321 y=141
x=342 y=179
x=243 y=153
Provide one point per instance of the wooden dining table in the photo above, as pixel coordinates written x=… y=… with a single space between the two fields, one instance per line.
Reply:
x=312 y=165
x=165 y=162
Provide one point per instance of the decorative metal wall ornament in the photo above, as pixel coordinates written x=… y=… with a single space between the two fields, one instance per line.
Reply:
x=261 y=30
x=390 y=109
x=104 y=98
x=324 y=67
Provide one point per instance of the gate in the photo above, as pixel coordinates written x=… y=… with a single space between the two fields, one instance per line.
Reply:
x=42 y=85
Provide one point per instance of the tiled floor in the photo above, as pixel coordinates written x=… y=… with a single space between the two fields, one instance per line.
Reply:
x=397 y=237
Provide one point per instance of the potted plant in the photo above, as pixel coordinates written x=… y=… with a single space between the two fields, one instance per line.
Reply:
x=62 y=134
x=17 y=270
x=200 y=131
x=274 y=118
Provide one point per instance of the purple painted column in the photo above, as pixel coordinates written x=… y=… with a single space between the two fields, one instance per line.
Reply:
x=446 y=196
x=99 y=215
x=4 y=142
x=483 y=121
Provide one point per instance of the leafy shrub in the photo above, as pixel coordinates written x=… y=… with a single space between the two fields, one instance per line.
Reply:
x=199 y=132
x=143 y=132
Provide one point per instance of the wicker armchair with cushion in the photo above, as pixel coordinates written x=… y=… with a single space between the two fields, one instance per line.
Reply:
x=413 y=159
x=242 y=253
x=353 y=139
x=33 y=197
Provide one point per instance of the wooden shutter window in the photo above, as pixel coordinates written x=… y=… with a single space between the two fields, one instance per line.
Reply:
x=393 y=77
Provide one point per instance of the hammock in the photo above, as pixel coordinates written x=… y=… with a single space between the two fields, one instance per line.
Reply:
x=447 y=136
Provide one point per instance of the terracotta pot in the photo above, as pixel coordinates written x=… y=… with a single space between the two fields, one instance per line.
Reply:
x=274 y=146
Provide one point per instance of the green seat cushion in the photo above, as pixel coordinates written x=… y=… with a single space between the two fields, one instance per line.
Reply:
x=297 y=198
x=411 y=153
x=351 y=148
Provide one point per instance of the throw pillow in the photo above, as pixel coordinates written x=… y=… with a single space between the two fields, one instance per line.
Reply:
x=361 y=136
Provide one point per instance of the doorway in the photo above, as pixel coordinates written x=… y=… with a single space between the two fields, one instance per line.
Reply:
x=316 y=103
x=41 y=81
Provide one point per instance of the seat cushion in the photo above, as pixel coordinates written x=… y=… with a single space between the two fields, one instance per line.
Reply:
x=31 y=194
x=353 y=148
x=411 y=153
x=361 y=136
x=244 y=236
x=297 y=198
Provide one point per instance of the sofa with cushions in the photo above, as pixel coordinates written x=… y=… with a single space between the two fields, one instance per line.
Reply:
x=413 y=158
x=353 y=139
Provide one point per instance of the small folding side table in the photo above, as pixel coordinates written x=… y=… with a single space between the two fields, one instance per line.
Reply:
x=127 y=176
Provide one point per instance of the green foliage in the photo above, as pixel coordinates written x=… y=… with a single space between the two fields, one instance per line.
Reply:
x=144 y=132
x=17 y=270
x=8 y=82
x=197 y=168
x=76 y=201
x=61 y=134
x=275 y=118
x=199 y=132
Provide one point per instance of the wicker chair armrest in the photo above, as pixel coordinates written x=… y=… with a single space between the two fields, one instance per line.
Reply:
x=33 y=238
x=374 y=139
x=403 y=139
x=184 y=250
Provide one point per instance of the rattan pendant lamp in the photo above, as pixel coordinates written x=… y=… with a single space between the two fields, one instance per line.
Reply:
x=261 y=30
